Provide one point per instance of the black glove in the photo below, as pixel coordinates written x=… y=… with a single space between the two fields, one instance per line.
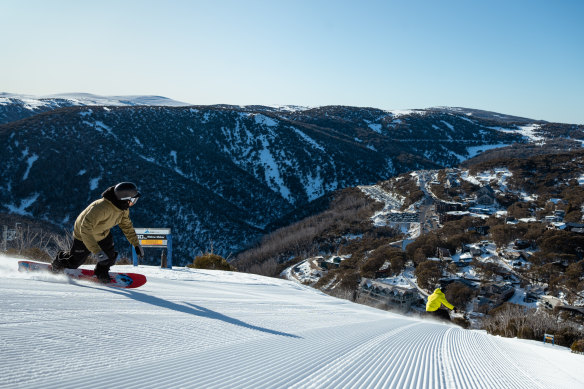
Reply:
x=139 y=251
x=455 y=310
x=108 y=258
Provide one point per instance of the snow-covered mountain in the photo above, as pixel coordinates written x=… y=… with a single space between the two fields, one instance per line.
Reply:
x=223 y=175
x=77 y=99
x=208 y=329
x=18 y=106
x=91 y=99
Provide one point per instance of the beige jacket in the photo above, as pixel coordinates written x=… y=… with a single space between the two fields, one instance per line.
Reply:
x=96 y=221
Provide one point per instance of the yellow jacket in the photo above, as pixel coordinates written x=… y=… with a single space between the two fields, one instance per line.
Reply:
x=435 y=300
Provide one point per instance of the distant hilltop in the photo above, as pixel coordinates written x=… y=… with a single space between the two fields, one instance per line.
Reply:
x=91 y=99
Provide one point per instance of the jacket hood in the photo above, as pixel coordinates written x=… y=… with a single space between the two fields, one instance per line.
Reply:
x=110 y=195
x=438 y=291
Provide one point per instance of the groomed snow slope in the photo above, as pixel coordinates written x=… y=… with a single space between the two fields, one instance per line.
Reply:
x=208 y=329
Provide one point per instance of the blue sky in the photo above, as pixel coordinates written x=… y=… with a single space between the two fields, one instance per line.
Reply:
x=518 y=57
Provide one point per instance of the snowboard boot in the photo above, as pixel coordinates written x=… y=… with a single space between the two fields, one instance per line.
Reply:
x=102 y=273
x=61 y=262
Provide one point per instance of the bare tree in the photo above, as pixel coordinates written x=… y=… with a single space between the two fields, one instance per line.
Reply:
x=61 y=242
x=27 y=238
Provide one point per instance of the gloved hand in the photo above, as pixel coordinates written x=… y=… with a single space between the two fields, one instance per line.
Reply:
x=455 y=310
x=139 y=251
x=107 y=258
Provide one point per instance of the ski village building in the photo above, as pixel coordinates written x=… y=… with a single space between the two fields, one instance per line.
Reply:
x=398 y=296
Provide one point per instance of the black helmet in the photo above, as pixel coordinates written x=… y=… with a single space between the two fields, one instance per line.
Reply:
x=127 y=191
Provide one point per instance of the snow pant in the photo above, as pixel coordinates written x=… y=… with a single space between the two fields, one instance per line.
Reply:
x=79 y=253
x=439 y=314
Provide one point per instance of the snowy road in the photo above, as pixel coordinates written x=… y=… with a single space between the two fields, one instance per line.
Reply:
x=203 y=329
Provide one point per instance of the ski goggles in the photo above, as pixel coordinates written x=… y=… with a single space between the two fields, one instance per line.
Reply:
x=132 y=200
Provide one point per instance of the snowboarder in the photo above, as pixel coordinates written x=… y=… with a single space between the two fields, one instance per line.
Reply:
x=434 y=304
x=91 y=233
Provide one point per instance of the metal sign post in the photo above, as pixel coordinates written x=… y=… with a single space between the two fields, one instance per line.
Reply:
x=157 y=238
x=549 y=337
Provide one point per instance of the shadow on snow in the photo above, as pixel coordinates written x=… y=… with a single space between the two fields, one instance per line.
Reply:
x=195 y=310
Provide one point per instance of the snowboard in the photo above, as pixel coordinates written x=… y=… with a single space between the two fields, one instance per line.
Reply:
x=117 y=280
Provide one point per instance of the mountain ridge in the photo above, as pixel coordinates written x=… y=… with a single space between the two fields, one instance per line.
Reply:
x=219 y=175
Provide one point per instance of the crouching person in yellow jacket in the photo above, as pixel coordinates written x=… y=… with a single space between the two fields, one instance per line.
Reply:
x=434 y=304
x=91 y=233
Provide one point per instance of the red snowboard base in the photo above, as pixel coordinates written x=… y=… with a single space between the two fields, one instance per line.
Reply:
x=117 y=280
